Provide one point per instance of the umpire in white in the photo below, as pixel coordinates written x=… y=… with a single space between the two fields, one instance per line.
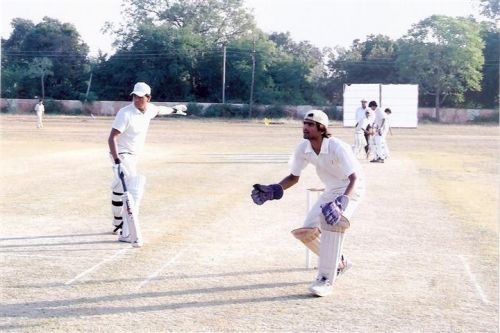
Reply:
x=342 y=176
x=126 y=141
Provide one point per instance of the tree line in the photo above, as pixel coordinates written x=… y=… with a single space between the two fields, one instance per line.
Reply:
x=186 y=49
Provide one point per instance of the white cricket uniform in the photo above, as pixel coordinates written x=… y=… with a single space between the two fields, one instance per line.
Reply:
x=133 y=126
x=39 y=110
x=334 y=164
x=359 y=135
x=380 y=133
x=360 y=113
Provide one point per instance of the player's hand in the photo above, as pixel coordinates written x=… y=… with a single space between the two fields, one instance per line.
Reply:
x=119 y=168
x=334 y=209
x=180 y=109
x=263 y=193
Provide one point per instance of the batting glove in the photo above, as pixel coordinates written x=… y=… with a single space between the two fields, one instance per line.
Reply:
x=180 y=109
x=119 y=168
x=262 y=193
x=334 y=209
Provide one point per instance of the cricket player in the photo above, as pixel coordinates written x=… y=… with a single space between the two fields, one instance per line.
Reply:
x=380 y=132
x=126 y=141
x=39 y=110
x=325 y=224
x=361 y=129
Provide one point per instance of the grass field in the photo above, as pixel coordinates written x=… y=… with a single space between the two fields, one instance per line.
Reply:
x=424 y=241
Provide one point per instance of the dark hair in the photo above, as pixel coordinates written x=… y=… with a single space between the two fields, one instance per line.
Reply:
x=388 y=110
x=323 y=130
x=372 y=103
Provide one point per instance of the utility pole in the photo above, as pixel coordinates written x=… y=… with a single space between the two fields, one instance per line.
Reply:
x=224 y=73
x=253 y=79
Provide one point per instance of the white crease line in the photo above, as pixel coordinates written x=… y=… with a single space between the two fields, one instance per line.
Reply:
x=96 y=266
x=474 y=281
x=155 y=274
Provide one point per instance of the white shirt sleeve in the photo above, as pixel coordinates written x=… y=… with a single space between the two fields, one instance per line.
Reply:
x=121 y=121
x=345 y=158
x=298 y=160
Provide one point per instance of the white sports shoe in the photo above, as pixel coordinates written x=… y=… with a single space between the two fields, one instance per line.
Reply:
x=124 y=239
x=137 y=243
x=321 y=287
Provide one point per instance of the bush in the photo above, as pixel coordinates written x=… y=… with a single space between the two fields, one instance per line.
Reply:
x=53 y=106
x=225 y=111
x=194 y=109
x=275 y=111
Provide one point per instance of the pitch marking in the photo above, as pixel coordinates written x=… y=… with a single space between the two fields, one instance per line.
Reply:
x=91 y=269
x=474 y=281
x=155 y=274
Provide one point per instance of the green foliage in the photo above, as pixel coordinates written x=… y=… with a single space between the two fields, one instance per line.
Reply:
x=444 y=56
x=194 y=109
x=225 y=111
x=54 y=107
x=49 y=50
x=274 y=111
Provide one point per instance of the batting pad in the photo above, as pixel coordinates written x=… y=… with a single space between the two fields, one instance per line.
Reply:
x=136 y=190
x=331 y=252
x=310 y=238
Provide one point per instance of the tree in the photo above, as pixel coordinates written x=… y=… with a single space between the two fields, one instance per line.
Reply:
x=40 y=67
x=490 y=9
x=444 y=56
x=488 y=94
x=370 y=61
x=50 y=39
x=218 y=21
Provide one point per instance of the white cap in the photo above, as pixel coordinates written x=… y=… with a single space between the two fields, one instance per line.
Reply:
x=364 y=100
x=141 y=89
x=317 y=116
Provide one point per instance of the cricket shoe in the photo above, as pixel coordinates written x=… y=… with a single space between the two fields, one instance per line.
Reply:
x=321 y=287
x=136 y=243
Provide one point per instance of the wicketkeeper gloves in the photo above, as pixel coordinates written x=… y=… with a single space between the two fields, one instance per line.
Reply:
x=262 y=193
x=333 y=209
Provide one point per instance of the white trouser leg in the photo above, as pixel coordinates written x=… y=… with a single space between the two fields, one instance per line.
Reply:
x=378 y=147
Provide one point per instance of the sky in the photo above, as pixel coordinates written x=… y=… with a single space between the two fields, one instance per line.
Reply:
x=324 y=23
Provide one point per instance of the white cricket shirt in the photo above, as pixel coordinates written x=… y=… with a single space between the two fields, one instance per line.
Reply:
x=133 y=126
x=334 y=164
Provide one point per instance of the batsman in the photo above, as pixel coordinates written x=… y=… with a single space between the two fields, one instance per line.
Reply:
x=126 y=140
x=324 y=227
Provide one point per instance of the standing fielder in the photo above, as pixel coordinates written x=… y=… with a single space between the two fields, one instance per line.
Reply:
x=326 y=222
x=39 y=110
x=126 y=140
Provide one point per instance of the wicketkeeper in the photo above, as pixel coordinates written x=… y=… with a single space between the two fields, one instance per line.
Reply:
x=325 y=224
x=126 y=141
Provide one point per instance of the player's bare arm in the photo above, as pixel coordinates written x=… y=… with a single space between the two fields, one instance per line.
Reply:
x=352 y=184
x=289 y=181
x=113 y=136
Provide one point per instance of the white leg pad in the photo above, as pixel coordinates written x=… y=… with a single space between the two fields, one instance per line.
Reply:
x=330 y=254
x=117 y=203
x=136 y=190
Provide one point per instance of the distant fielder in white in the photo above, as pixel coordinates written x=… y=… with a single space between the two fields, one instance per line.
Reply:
x=39 y=110
x=126 y=141
x=342 y=176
